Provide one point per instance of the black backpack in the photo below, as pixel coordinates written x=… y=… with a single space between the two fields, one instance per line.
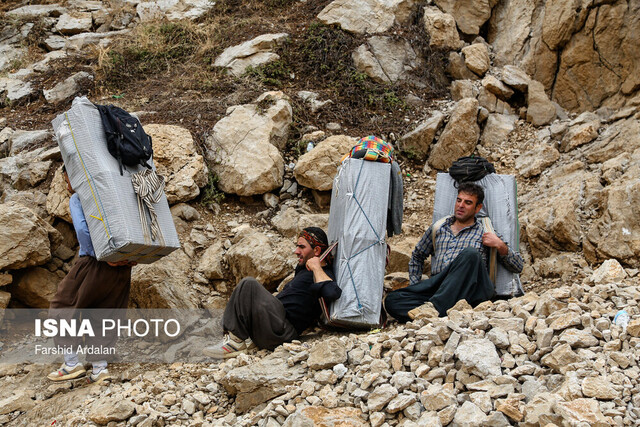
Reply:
x=470 y=169
x=126 y=140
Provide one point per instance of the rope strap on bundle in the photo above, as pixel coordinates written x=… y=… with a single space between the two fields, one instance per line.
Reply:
x=149 y=188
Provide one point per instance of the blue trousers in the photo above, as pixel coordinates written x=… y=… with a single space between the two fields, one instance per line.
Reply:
x=466 y=277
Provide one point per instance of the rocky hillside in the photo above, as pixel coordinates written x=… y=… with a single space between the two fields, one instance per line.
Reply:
x=233 y=93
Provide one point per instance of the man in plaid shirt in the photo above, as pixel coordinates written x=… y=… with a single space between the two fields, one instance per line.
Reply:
x=458 y=262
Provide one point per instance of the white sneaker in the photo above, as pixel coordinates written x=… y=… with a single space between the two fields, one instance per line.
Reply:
x=103 y=375
x=67 y=373
x=230 y=346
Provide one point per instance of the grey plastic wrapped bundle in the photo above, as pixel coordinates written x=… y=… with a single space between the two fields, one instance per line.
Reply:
x=358 y=221
x=108 y=199
x=500 y=205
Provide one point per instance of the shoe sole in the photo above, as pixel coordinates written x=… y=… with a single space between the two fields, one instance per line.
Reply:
x=98 y=380
x=69 y=376
x=216 y=355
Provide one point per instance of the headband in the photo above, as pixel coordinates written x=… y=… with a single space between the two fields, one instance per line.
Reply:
x=312 y=239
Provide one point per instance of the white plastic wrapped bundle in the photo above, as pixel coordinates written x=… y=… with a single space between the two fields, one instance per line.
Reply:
x=500 y=205
x=358 y=221
x=108 y=200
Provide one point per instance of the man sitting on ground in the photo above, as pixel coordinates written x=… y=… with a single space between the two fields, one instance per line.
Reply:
x=253 y=315
x=458 y=264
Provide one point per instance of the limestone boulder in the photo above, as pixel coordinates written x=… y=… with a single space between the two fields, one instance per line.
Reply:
x=458 y=69
x=469 y=15
x=459 y=137
x=463 y=89
x=58 y=197
x=111 y=409
x=262 y=381
x=25 y=140
x=290 y=222
x=480 y=357
x=476 y=58
x=67 y=89
x=317 y=168
x=552 y=216
x=266 y=258
x=610 y=271
x=400 y=254
x=469 y=414
x=497 y=87
x=615 y=234
x=620 y=137
x=164 y=284
x=493 y=104
x=367 y=16
x=173 y=10
x=321 y=416
x=212 y=262
x=419 y=140
x=326 y=354
x=177 y=159
x=21 y=401
x=515 y=78
x=386 y=60
x=600 y=388
x=35 y=287
x=579 y=135
x=74 y=23
x=252 y=53
x=442 y=30
x=535 y=161
x=497 y=129
x=244 y=148
x=581 y=411
x=16 y=91
x=25 y=239
x=540 y=110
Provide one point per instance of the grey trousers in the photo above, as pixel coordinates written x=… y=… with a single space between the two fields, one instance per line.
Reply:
x=252 y=312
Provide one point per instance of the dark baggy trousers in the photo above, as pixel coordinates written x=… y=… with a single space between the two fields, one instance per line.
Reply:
x=252 y=312
x=465 y=277
x=89 y=285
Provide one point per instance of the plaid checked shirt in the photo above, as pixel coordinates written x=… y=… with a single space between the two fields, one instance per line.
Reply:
x=449 y=247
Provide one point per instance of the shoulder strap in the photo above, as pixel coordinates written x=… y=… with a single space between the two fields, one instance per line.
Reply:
x=434 y=230
x=493 y=252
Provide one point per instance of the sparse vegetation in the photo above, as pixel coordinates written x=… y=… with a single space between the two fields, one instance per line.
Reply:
x=211 y=194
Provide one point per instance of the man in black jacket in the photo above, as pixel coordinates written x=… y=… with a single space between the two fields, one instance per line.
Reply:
x=254 y=316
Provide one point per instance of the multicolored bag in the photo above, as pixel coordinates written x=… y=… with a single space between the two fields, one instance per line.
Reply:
x=373 y=149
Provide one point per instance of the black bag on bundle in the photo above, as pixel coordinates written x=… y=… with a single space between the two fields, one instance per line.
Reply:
x=471 y=168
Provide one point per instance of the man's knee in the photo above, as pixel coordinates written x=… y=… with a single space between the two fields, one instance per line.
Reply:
x=248 y=282
x=469 y=255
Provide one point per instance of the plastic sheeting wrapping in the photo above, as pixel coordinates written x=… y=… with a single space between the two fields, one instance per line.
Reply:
x=110 y=205
x=501 y=205
x=358 y=221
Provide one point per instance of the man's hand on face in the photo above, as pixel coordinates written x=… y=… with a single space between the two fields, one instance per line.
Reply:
x=313 y=264
x=493 y=241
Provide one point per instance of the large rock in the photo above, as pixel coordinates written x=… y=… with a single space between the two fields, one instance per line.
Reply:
x=326 y=354
x=610 y=271
x=457 y=68
x=560 y=22
x=244 y=149
x=480 y=357
x=516 y=78
x=497 y=129
x=164 y=284
x=35 y=287
x=536 y=160
x=21 y=401
x=252 y=53
x=579 y=135
x=581 y=411
x=459 y=137
x=617 y=232
x=109 y=409
x=317 y=168
x=419 y=140
x=261 y=381
x=58 y=197
x=291 y=221
x=469 y=415
x=367 y=16
x=469 y=15
x=176 y=158
x=212 y=262
x=320 y=416
x=254 y=254
x=540 y=110
x=15 y=91
x=68 y=88
x=173 y=10
x=25 y=239
x=442 y=30
x=600 y=387
x=381 y=396
x=400 y=254
x=386 y=60
x=77 y=22
x=22 y=140
x=476 y=58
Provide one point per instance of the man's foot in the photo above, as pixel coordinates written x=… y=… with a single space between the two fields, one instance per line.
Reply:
x=230 y=346
x=102 y=375
x=67 y=372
